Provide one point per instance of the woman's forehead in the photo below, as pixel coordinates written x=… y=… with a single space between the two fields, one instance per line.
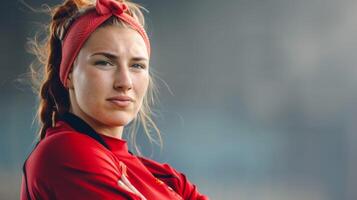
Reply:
x=117 y=40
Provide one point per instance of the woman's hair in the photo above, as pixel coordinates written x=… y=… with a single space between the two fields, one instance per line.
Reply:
x=53 y=96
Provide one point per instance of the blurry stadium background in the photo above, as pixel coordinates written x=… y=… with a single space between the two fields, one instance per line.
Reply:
x=263 y=102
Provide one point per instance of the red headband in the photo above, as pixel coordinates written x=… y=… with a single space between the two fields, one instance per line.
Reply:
x=82 y=27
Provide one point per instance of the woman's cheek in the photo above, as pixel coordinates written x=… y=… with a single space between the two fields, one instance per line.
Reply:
x=143 y=84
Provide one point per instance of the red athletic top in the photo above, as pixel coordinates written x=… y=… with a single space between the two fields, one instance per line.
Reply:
x=69 y=164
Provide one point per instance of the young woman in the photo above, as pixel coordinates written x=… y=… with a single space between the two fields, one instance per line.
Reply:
x=96 y=81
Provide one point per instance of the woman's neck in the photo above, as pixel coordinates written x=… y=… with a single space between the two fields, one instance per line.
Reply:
x=114 y=131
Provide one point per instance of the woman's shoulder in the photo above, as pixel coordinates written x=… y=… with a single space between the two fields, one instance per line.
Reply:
x=70 y=149
x=69 y=143
x=72 y=165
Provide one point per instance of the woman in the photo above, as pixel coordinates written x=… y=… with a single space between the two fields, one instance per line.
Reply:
x=96 y=82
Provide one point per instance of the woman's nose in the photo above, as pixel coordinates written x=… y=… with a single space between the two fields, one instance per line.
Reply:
x=123 y=79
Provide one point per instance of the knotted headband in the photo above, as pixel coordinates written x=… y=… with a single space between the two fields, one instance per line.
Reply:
x=86 y=24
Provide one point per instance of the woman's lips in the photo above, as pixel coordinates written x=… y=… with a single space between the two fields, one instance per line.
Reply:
x=121 y=101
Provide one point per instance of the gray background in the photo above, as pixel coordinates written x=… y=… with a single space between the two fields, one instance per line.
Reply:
x=263 y=103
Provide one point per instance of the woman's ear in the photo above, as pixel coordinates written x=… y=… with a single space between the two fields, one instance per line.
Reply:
x=70 y=75
x=70 y=80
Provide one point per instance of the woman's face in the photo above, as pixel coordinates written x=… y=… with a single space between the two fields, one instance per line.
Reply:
x=109 y=79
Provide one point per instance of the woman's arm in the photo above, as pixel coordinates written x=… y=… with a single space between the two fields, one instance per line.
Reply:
x=174 y=179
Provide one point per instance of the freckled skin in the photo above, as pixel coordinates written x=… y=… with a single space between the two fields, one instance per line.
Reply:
x=95 y=78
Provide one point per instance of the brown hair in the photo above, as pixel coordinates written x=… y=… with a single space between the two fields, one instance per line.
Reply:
x=53 y=96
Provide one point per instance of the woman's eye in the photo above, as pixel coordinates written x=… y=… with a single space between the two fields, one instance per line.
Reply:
x=103 y=63
x=140 y=66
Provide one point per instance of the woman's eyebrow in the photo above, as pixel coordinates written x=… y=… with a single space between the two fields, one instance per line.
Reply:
x=113 y=56
x=108 y=55
x=139 y=59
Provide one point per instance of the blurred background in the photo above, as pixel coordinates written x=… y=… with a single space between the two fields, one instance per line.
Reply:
x=263 y=104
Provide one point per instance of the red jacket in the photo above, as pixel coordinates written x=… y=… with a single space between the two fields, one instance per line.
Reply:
x=70 y=164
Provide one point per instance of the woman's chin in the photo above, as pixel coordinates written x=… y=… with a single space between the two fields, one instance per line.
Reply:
x=118 y=121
